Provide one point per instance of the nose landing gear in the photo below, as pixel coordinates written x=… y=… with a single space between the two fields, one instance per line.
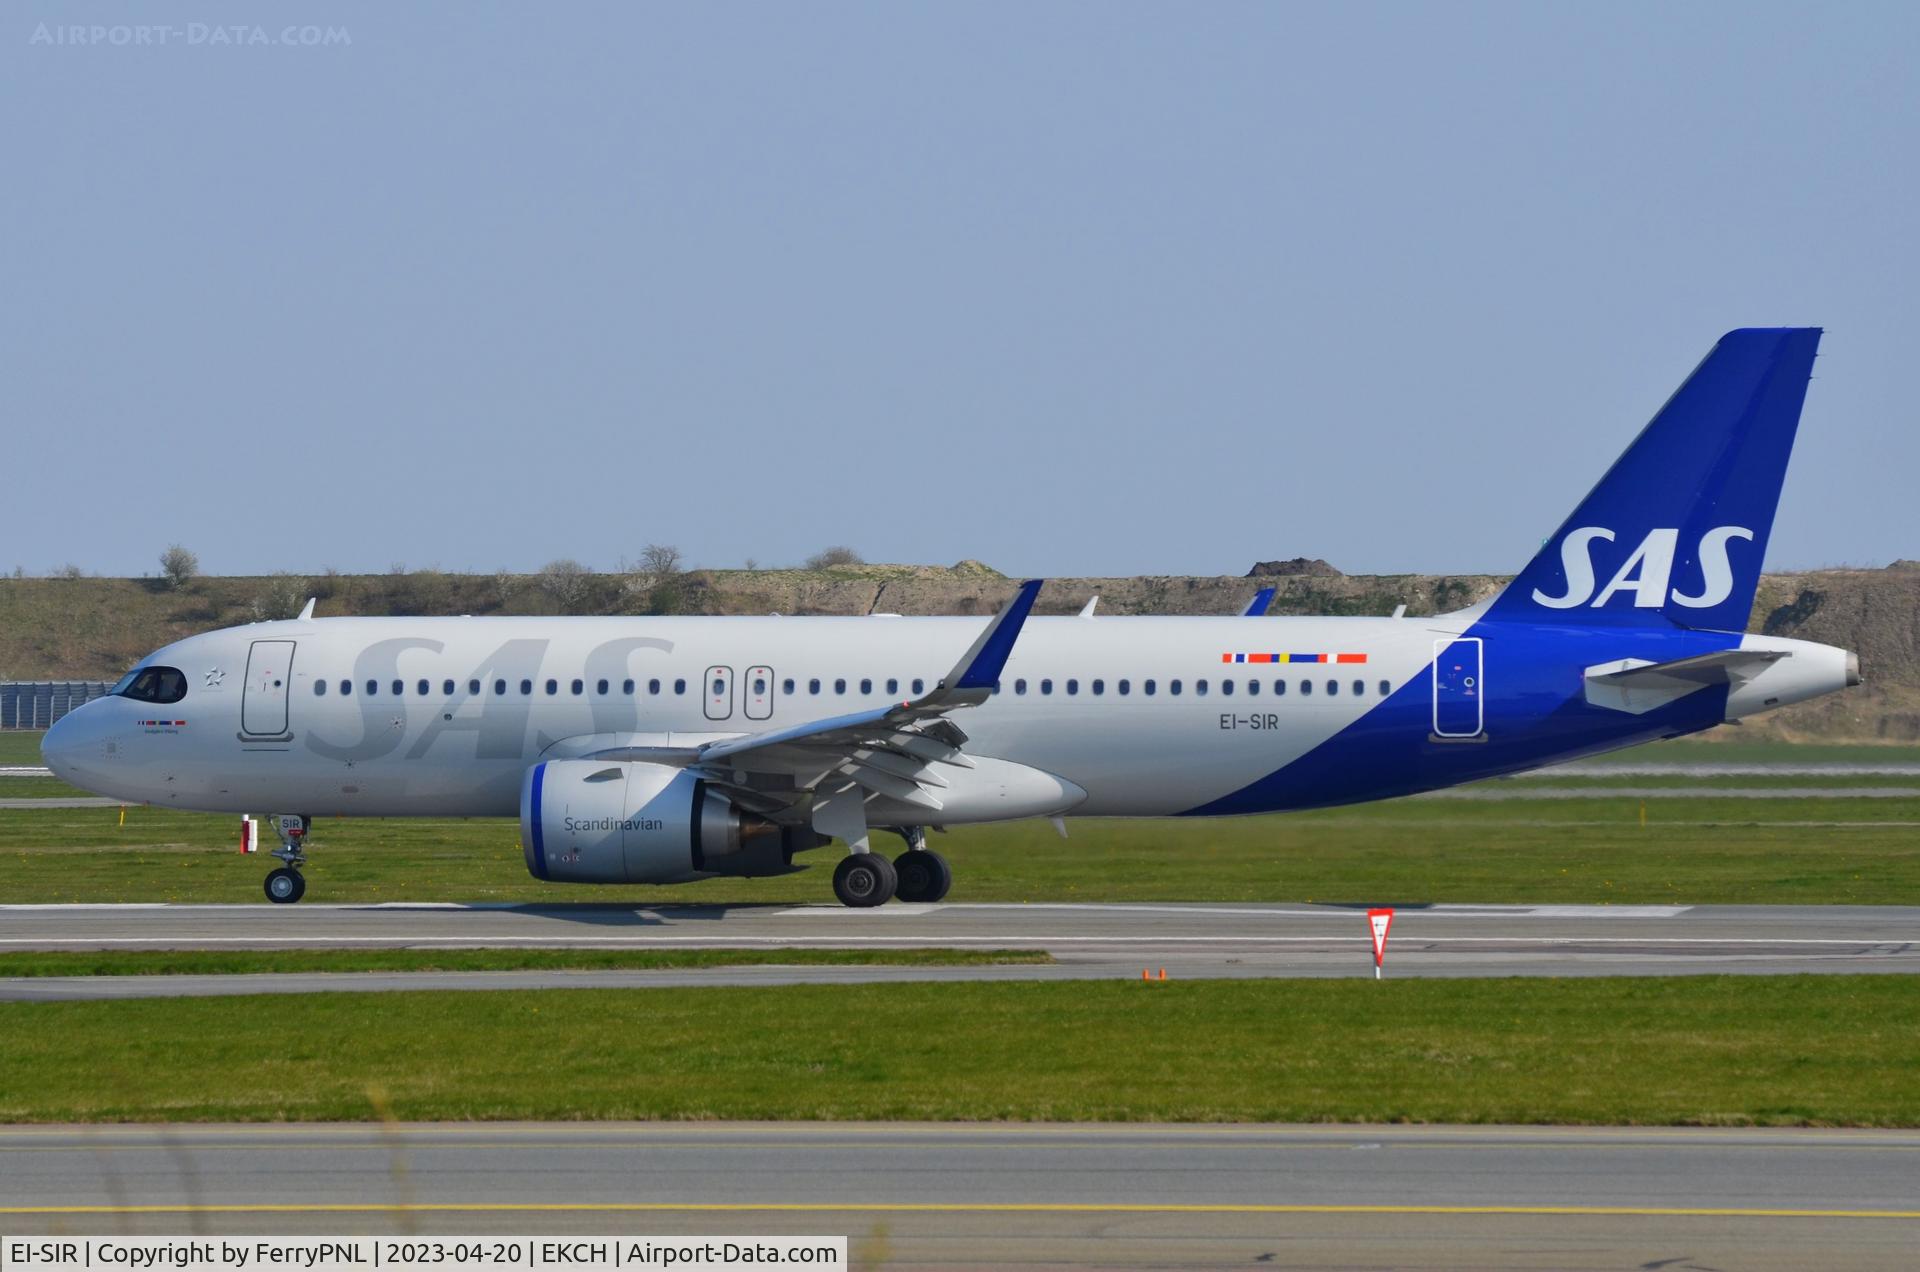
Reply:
x=286 y=885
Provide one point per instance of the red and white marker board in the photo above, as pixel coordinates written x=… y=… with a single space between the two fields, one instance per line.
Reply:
x=1381 y=921
x=249 y=835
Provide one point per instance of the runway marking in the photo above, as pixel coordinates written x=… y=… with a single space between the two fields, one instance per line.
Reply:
x=954 y=1207
x=1011 y=940
x=1500 y=796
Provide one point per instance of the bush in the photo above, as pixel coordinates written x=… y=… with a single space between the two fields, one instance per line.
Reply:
x=840 y=554
x=284 y=596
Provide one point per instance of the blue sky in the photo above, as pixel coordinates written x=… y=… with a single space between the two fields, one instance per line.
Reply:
x=1070 y=288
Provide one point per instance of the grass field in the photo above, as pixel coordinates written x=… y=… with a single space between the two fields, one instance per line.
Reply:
x=1695 y=851
x=1606 y=845
x=20 y=746
x=1823 y=1050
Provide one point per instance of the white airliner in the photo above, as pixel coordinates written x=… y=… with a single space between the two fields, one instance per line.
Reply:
x=658 y=750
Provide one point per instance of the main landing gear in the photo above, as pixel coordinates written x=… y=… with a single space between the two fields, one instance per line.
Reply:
x=919 y=875
x=286 y=884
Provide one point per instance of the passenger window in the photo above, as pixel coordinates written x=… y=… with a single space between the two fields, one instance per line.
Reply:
x=759 y=686
x=1046 y=686
x=1306 y=686
x=553 y=687
x=473 y=687
x=1226 y=686
x=446 y=688
x=346 y=688
x=1073 y=686
x=526 y=688
x=719 y=687
x=626 y=687
x=1253 y=688
x=1125 y=687
x=893 y=686
x=373 y=688
x=1099 y=687
x=866 y=686
x=679 y=686
x=1359 y=688
x=919 y=687
x=576 y=687
x=1020 y=686
x=1333 y=686
x=813 y=686
x=319 y=688
x=840 y=686
x=1279 y=688
x=399 y=688
x=1146 y=687
x=1173 y=687
x=500 y=688
x=653 y=688
x=600 y=687
x=1386 y=687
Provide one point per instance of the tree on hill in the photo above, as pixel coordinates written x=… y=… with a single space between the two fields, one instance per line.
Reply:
x=178 y=566
x=660 y=559
x=565 y=582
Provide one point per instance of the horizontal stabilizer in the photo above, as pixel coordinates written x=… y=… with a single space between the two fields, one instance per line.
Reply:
x=1636 y=686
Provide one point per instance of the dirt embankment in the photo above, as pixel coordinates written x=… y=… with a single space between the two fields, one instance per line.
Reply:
x=92 y=628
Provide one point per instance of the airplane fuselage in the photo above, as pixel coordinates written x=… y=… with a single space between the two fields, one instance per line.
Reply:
x=1135 y=716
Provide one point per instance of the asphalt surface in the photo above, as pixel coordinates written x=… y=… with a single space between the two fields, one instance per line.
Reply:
x=1087 y=941
x=956 y=1194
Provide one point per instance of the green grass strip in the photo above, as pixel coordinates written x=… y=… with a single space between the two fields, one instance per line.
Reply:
x=268 y=962
x=1778 y=1051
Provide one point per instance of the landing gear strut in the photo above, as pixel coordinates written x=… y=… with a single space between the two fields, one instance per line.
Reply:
x=286 y=885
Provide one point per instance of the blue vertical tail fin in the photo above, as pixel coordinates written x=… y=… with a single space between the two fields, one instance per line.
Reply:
x=1676 y=531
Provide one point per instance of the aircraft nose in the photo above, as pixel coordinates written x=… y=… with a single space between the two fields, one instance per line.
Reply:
x=73 y=743
x=58 y=746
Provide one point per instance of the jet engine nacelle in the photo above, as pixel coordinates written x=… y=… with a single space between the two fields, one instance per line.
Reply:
x=587 y=821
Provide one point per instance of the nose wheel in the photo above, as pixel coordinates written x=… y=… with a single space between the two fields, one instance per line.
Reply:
x=285 y=885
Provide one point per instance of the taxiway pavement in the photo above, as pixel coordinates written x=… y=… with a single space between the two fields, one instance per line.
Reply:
x=1086 y=941
x=957 y=1195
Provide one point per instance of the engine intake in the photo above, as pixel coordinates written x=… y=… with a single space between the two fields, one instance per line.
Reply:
x=585 y=821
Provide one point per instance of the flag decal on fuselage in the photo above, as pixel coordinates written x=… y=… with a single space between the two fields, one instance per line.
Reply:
x=1292 y=658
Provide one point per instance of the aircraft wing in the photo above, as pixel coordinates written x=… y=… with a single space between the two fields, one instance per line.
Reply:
x=893 y=751
x=1636 y=686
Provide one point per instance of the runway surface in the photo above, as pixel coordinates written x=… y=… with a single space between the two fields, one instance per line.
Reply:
x=1086 y=941
x=960 y=1194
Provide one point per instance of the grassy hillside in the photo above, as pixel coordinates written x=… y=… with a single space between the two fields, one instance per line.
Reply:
x=93 y=628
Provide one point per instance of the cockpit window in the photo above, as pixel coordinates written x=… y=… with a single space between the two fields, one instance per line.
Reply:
x=153 y=684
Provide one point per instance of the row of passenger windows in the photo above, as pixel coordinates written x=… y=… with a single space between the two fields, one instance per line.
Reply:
x=1071 y=686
